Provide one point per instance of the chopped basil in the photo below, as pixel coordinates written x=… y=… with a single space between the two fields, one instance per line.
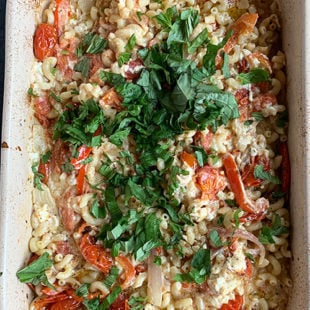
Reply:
x=216 y=239
x=54 y=96
x=136 y=303
x=83 y=66
x=157 y=260
x=108 y=301
x=30 y=92
x=83 y=290
x=200 y=40
x=110 y=280
x=258 y=116
x=200 y=268
x=267 y=233
x=231 y=202
x=250 y=257
x=98 y=211
x=35 y=272
x=225 y=67
x=254 y=76
x=236 y=217
x=37 y=177
x=125 y=56
x=92 y=43
x=45 y=158
x=260 y=173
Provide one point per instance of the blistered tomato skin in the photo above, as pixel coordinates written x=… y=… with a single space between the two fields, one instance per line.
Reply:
x=44 y=42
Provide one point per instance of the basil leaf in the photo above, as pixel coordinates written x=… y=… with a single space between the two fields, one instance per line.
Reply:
x=215 y=239
x=200 y=268
x=83 y=66
x=259 y=173
x=112 y=277
x=236 y=217
x=225 y=67
x=112 y=78
x=97 y=45
x=35 y=272
x=92 y=304
x=123 y=58
x=119 y=136
x=200 y=40
x=166 y=19
x=109 y=300
x=112 y=205
x=277 y=229
x=258 y=116
x=254 y=76
x=37 y=177
x=30 y=92
x=137 y=191
x=92 y=43
x=97 y=211
x=82 y=290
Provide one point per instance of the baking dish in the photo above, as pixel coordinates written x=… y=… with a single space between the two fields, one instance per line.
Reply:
x=16 y=183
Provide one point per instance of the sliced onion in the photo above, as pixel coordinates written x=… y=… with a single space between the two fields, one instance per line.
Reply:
x=155 y=282
x=243 y=234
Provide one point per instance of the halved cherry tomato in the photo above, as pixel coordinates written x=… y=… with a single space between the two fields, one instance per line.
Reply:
x=84 y=152
x=93 y=253
x=260 y=206
x=189 y=159
x=44 y=42
x=66 y=300
x=235 y=304
x=210 y=182
x=129 y=271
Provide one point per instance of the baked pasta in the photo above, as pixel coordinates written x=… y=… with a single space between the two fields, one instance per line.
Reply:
x=160 y=163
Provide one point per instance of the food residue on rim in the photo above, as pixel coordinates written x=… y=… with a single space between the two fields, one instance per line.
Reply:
x=4 y=145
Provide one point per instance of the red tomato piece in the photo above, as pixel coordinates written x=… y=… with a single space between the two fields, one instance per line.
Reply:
x=45 y=40
x=80 y=180
x=84 y=152
x=210 y=182
x=189 y=159
x=44 y=169
x=121 y=303
x=235 y=304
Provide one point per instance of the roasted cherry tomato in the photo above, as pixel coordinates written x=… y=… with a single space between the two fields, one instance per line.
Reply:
x=44 y=42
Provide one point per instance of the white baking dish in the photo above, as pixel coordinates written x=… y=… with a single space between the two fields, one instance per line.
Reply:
x=15 y=168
